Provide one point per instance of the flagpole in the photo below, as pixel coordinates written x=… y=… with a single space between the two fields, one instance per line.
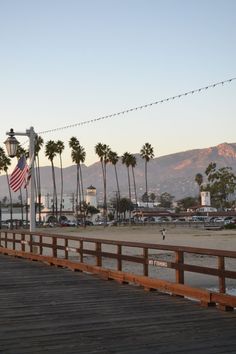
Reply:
x=11 y=145
x=32 y=192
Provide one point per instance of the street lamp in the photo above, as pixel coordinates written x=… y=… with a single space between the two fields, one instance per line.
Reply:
x=11 y=146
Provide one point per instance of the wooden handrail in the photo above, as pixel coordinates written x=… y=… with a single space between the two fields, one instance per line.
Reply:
x=60 y=248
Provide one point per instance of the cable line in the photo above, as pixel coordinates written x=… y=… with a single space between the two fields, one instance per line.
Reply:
x=138 y=107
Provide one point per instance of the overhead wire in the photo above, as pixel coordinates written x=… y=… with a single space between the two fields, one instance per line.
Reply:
x=198 y=90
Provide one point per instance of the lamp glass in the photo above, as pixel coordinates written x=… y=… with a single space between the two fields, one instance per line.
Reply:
x=11 y=146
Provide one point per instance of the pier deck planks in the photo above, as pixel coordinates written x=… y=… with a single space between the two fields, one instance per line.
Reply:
x=53 y=310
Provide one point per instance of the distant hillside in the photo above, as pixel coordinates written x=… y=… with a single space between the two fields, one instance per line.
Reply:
x=173 y=173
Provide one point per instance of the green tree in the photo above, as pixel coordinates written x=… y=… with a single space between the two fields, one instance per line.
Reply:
x=125 y=205
x=147 y=153
x=186 y=203
x=92 y=210
x=152 y=197
x=221 y=184
x=144 y=198
x=166 y=200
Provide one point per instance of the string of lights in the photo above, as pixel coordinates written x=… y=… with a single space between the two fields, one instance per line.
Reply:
x=198 y=90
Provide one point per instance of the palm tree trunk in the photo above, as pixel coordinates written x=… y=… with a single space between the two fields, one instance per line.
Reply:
x=79 y=190
x=77 y=194
x=82 y=194
x=118 y=193
x=129 y=191
x=135 y=189
x=54 y=191
x=61 y=187
x=146 y=181
x=10 y=196
x=105 y=192
x=117 y=183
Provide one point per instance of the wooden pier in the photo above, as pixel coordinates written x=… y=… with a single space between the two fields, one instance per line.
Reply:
x=54 y=310
x=53 y=300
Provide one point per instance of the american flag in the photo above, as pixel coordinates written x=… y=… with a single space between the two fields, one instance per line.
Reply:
x=17 y=177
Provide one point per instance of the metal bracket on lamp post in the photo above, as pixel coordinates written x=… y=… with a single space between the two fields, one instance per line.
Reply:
x=31 y=135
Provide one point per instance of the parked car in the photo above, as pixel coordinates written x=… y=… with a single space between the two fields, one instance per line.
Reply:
x=88 y=223
x=66 y=223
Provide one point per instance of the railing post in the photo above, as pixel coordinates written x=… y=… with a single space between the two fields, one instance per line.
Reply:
x=31 y=246
x=221 y=268
x=145 y=264
x=119 y=255
x=81 y=251
x=54 y=247
x=40 y=244
x=5 y=239
x=66 y=248
x=23 y=242
x=98 y=254
x=14 y=241
x=179 y=260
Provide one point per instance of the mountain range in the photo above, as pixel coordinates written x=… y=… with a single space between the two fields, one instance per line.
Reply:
x=174 y=173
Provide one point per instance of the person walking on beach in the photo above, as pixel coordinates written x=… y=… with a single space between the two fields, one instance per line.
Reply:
x=163 y=232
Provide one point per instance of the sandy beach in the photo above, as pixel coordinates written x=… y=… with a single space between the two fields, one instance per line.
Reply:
x=175 y=235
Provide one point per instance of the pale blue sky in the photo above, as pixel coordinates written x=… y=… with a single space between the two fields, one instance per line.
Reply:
x=66 y=61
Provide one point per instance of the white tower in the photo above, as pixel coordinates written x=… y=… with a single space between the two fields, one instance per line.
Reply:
x=91 y=196
x=205 y=199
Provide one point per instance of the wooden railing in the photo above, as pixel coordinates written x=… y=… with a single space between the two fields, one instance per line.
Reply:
x=129 y=262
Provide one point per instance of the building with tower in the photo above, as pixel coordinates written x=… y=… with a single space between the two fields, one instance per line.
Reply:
x=91 y=196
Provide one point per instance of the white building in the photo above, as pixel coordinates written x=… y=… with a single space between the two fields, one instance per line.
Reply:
x=205 y=199
x=91 y=196
x=68 y=202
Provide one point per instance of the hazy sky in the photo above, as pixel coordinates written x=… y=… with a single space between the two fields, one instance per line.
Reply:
x=67 y=61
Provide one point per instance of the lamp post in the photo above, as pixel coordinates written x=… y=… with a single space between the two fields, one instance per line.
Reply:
x=11 y=146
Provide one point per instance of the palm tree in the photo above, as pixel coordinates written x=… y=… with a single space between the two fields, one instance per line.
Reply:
x=37 y=148
x=73 y=144
x=113 y=159
x=147 y=153
x=60 y=148
x=133 y=163
x=199 y=180
x=5 y=162
x=102 y=150
x=50 y=152
x=78 y=155
x=126 y=160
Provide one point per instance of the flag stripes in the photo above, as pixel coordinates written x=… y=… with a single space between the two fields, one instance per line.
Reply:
x=18 y=175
